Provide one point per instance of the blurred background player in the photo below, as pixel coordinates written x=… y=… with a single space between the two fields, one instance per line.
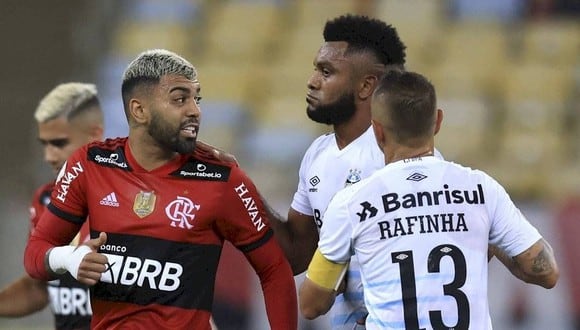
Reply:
x=68 y=117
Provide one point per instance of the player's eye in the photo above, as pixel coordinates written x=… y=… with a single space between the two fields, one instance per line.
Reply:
x=58 y=143
x=197 y=99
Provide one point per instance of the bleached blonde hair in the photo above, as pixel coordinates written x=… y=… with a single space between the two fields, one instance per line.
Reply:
x=155 y=63
x=149 y=67
x=67 y=100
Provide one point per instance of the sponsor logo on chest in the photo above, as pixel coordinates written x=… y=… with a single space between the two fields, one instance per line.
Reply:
x=112 y=159
x=141 y=272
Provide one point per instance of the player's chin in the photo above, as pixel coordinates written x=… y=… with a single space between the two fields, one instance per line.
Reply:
x=186 y=145
x=311 y=111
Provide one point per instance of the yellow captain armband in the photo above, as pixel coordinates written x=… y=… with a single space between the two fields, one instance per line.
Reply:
x=326 y=273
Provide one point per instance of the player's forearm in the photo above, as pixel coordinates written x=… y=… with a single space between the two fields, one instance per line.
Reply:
x=281 y=229
x=34 y=259
x=50 y=232
x=297 y=236
x=277 y=285
x=23 y=297
x=297 y=252
x=314 y=301
x=285 y=238
x=280 y=298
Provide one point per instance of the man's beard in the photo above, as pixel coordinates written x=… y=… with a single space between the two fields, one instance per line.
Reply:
x=162 y=132
x=335 y=113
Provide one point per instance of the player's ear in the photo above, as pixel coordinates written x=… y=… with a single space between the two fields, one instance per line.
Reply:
x=137 y=111
x=438 y=121
x=367 y=87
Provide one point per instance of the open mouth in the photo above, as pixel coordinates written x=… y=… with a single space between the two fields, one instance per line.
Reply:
x=189 y=131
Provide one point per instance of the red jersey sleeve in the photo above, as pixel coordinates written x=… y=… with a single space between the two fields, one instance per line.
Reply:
x=245 y=224
x=68 y=198
x=243 y=221
x=66 y=213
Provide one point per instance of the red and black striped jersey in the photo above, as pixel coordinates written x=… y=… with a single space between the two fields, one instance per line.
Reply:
x=165 y=230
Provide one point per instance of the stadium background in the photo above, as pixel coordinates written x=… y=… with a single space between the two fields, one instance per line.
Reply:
x=507 y=73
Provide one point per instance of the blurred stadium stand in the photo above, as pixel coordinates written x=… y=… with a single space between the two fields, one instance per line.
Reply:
x=509 y=84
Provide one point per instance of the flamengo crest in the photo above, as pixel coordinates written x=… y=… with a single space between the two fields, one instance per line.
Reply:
x=181 y=211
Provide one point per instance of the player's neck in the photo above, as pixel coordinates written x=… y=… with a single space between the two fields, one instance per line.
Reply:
x=351 y=130
x=400 y=152
x=148 y=154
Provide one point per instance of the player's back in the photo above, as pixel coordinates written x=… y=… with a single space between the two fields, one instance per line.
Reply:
x=421 y=235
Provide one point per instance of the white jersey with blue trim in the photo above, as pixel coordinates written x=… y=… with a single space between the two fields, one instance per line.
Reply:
x=420 y=229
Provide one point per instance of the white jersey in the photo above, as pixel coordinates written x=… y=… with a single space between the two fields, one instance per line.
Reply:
x=326 y=169
x=420 y=229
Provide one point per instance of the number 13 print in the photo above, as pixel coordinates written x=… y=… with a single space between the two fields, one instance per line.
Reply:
x=409 y=292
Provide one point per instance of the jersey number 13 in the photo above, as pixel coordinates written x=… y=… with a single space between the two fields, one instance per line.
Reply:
x=407 y=271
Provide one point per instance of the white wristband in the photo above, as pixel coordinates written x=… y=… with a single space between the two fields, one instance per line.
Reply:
x=63 y=258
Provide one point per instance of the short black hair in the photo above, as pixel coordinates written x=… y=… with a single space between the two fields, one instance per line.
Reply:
x=364 y=33
x=411 y=103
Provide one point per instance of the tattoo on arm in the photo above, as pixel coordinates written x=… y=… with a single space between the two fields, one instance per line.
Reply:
x=542 y=262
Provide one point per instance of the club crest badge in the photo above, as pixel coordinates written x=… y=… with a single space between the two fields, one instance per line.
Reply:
x=144 y=203
x=353 y=177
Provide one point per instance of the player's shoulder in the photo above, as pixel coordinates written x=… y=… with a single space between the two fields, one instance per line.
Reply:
x=464 y=170
x=462 y=175
x=98 y=147
x=42 y=194
x=323 y=141
x=319 y=145
x=47 y=187
x=206 y=156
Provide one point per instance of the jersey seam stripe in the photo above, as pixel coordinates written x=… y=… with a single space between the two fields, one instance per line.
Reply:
x=252 y=246
x=65 y=216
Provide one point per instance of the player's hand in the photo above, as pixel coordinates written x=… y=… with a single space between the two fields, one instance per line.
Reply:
x=94 y=263
x=217 y=153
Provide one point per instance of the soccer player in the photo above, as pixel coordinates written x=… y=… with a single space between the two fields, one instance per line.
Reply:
x=356 y=52
x=154 y=252
x=68 y=117
x=420 y=227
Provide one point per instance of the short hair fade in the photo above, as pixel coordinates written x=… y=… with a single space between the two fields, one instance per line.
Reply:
x=150 y=66
x=410 y=103
x=364 y=33
x=67 y=100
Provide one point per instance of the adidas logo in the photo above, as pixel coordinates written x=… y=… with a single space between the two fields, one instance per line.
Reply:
x=110 y=200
